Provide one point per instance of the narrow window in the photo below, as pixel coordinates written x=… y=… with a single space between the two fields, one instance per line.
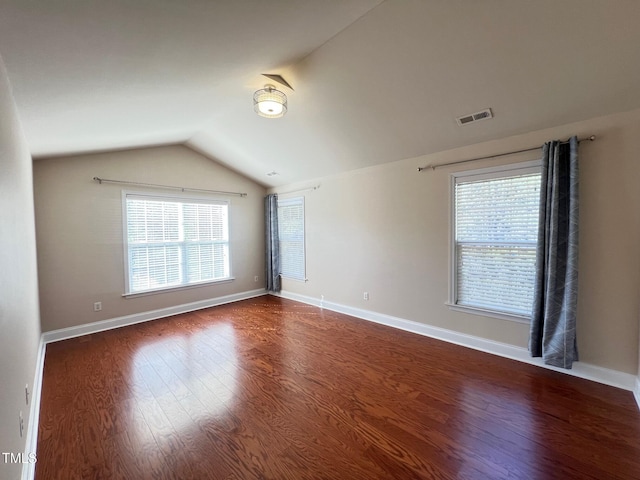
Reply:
x=291 y=237
x=495 y=232
x=173 y=242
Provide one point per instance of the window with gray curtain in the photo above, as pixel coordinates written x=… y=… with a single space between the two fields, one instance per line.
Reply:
x=291 y=237
x=495 y=229
x=173 y=242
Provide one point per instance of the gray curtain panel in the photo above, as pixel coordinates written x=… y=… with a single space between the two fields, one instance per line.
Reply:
x=553 y=322
x=272 y=260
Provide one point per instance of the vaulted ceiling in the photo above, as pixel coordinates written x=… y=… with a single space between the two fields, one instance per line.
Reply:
x=374 y=81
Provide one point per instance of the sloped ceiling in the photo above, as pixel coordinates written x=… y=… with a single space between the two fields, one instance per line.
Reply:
x=374 y=81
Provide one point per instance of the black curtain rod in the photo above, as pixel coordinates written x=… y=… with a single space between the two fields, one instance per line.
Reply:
x=590 y=138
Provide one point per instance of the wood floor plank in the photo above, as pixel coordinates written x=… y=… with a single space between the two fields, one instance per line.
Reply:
x=273 y=389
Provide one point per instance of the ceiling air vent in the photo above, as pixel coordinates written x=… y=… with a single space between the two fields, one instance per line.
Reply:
x=474 y=117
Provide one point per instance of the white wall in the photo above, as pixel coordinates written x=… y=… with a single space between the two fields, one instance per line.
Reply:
x=80 y=240
x=19 y=317
x=385 y=230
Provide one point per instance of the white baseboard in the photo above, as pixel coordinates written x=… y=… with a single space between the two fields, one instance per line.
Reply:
x=636 y=391
x=29 y=469
x=587 y=371
x=95 y=327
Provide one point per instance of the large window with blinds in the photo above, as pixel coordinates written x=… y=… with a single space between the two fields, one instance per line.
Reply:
x=291 y=237
x=173 y=242
x=495 y=231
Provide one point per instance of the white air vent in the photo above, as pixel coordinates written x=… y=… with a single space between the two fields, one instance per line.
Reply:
x=474 y=117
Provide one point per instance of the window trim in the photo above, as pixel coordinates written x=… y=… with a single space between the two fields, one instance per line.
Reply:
x=292 y=201
x=532 y=166
x=185 y=198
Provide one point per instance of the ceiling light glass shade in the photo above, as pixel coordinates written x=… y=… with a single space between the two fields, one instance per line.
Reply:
x=269 y=102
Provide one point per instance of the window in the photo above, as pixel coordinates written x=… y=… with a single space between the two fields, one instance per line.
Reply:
x=495 y=231
x=291 y=237
x=172 y=242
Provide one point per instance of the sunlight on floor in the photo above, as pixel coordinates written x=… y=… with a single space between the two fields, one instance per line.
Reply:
x=198 y=369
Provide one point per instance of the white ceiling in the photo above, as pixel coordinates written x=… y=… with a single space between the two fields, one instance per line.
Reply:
x=374 y=81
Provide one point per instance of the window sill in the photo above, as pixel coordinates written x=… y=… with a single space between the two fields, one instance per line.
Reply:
x=177 y=288
x=303 y=280
x=489 y=313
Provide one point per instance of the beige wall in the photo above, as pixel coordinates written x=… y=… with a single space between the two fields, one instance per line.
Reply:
x=385 y=230
x=79 y=231
x=19 y=320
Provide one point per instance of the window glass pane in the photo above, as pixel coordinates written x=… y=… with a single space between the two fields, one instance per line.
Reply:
x=205 y=222
x=220 y=260
x=171 y=221
x=498 y=210
x=153 y=267
x=190 y=221
x=154 y=222
x=496 y=278
x=207 y=261
x=136 y=225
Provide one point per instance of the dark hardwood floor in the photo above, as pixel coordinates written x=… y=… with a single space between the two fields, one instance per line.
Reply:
x=273 y=389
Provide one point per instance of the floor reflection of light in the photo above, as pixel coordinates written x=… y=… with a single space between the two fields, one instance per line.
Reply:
x=200 y=367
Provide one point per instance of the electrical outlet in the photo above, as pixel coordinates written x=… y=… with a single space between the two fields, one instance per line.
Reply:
x=97 y=306
x=26 y=393
x=366 y=295
x=255 y=279
x=21 y=424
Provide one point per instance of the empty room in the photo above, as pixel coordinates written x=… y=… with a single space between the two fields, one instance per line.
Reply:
x=319 y=239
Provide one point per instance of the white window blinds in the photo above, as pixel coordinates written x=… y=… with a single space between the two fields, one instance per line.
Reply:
x=496 y=229
x=291 y=237
x=173 y=242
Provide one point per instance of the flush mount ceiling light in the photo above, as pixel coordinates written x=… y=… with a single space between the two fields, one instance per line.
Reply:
x=269 y=102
